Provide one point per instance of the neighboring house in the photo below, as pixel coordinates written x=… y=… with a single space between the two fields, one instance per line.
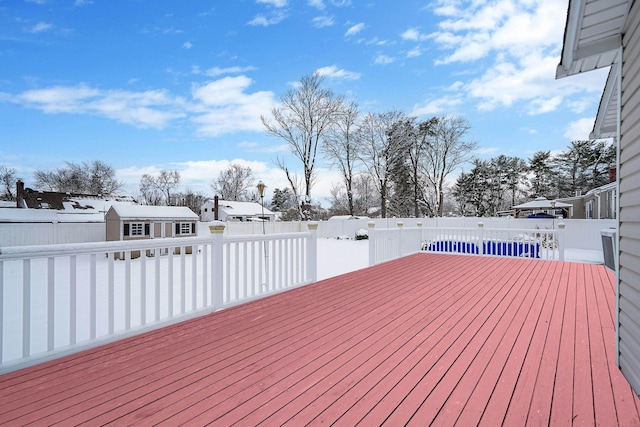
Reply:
x=599 y=203
x=134 y=222
x=235 y=211
x=606 y=33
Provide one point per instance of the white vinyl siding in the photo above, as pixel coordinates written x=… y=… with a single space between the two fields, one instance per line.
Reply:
x=629 y=219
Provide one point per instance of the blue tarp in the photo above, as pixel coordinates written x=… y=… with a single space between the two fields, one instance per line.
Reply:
x=490 y=247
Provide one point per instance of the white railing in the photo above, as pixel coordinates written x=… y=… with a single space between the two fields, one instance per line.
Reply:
x=389 y=243
x=57 y=299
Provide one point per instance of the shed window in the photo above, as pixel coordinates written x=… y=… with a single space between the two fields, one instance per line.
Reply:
x=136 y=229
x=185 y=228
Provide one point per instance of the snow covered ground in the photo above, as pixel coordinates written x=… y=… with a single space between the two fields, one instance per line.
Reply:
x=339 y=256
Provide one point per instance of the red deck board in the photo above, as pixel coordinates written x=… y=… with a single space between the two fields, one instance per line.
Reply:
x=430 y=338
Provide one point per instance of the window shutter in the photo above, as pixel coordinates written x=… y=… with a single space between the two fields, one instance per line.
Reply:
x=126 y=230
x=146 y=230
x=193 y=228
x=177 y=229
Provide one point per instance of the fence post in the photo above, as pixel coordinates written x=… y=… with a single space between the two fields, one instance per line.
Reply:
x=217 y=273
x=312 y=252
x=399 y=224
x=561 y=226
x=481 y=242
x=372 y=243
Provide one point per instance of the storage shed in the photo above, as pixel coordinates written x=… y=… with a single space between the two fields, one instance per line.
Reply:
x=131 y=222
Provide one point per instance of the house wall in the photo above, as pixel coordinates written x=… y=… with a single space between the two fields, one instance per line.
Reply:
x=629 y=210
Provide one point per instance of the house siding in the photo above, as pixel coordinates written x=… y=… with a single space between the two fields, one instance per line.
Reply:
x=629 y=202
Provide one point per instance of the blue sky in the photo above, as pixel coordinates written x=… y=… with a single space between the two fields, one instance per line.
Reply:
x=151 y=85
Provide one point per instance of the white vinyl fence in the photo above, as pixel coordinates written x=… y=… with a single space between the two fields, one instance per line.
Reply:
x=389 y=243
x=56 y=299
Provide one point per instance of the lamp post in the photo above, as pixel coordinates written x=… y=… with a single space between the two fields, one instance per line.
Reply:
x=553 y=213
x=261 y=188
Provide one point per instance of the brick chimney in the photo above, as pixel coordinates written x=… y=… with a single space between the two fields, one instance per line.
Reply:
x=20 y=194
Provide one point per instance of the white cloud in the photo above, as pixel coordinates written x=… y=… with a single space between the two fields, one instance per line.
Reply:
x=40 y=27
x=446 y=104
x=187 y=45
x=473 y=29
x=149 y=109
x=322 y=21
x=264 y=21
x=334 y=72
x=217 y=71
x=529 y=79
x=416 y=51
x=217 y=107
x=223 y=106
x=383 y=59
x=83 y=2
x=318 y=4
x=354 y=29
x=274 y=3
x=413 y=34
x=580 y=129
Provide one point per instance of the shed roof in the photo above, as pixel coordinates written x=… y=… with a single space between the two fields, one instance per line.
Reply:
x=126 y=211
x=542 y=203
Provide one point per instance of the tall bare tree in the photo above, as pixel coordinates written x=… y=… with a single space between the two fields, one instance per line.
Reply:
x=156 y=190
x=233 y=182
x=446 y=151
x=302 y=119
x=341 y=148
x=378 y=151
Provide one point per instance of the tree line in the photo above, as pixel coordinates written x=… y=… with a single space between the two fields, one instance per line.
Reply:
x=389 y=164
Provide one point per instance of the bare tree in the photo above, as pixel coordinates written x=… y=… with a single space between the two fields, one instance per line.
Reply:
x=86 y=178
x=8 y=181
x=378 y=150
x=341 y=148
x=302 y=119
x=446 y=151
x=233 y=182
x=156 y=190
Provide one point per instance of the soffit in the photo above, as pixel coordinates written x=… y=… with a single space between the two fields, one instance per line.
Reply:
x=593 y=35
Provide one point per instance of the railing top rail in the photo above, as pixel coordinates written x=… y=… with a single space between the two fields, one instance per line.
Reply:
x=263 y=237
x=88 y=248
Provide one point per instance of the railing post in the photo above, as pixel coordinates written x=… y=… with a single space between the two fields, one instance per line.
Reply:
x=481 y=242
x=399 y=224
x=561 y=226
x=312 y=252
x=372 y=243
x=217 y=273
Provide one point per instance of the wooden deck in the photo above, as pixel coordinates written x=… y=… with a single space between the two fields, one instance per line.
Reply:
x=427 y=339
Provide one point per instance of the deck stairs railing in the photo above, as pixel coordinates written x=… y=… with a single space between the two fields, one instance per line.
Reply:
x=389 y=243
x=57 y=299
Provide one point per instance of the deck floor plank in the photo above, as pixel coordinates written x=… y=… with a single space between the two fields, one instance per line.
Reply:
x=426 y=339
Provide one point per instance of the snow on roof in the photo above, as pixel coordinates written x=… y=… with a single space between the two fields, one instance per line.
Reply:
x=542 y=203
x=129 y=211
x=242 y=208
x=49 y=215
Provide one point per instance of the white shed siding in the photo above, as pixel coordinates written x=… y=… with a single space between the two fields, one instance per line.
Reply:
x=629 y=176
